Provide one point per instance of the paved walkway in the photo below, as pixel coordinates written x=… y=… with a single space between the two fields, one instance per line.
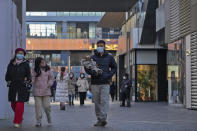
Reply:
x=140 y=117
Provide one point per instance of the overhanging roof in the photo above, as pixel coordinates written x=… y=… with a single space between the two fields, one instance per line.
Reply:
x=112 y=20
x=80 y=5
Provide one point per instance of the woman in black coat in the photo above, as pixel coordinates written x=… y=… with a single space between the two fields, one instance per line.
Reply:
x=18 y=78
x=125 y=90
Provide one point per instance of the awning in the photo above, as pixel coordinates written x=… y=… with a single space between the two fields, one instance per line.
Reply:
x=112 y=20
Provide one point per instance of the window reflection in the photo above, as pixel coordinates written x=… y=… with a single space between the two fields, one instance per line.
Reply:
x=72 y=30
x=176 y=71
x=41 y=30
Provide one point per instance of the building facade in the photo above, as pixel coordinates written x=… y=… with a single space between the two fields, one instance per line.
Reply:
x=159 y=52
x=12 y=35
x=143 y=53
x=64 y=38
x=180 y=35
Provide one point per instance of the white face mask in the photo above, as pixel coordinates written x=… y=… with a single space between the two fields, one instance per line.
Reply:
x=82 y=76
x=31 y=65
x=124 y=78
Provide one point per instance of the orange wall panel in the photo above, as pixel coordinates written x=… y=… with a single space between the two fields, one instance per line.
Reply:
x=65 y=44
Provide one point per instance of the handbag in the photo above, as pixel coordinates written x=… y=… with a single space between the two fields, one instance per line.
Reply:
x=89 y=95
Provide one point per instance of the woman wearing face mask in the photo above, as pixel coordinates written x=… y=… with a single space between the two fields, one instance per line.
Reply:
x=71 y=88
x=83 y=87
x=42 y=79
x=125 y=90
x=62 y=88
x=18 y=73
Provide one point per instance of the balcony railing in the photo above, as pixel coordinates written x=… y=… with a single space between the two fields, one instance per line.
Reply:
x=90 y=35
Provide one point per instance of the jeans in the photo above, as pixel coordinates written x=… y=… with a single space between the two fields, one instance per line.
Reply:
x=71 y=98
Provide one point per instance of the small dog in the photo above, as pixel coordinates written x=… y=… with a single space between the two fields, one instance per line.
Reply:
x=88 y=63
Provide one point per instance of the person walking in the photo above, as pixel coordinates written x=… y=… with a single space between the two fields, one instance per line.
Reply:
x=125 y=91
x=62 y=88
x=18 y=75
x=42 y=79
x=112 y=90
x=100 y=83
x=83 y=87
x=71 y=88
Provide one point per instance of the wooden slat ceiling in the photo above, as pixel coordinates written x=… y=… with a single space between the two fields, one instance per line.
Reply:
x=112 y=20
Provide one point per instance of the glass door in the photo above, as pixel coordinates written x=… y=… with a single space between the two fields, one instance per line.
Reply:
x=147 y=89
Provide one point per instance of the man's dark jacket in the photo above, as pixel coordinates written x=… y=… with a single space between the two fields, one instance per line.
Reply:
x=107 y=63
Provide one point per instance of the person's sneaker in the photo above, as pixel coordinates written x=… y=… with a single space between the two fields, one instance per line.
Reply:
x=103 y=123
x=98 y=123
x=63 y=108
x=38 y=124
x=16 y=125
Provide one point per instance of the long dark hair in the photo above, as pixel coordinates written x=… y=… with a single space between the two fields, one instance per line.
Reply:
x=37 y=68
x=63 y=69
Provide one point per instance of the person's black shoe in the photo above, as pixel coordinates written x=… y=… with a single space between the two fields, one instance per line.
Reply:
x=72 y=103
x=129 y=105
x=69 y=103
x=103 y=123
x=98 y=123
x=63 y=108
x=122 y=105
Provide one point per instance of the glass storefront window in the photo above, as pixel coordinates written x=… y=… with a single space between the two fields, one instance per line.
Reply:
x=92 y=13
x=71 y=30
x=147 y=80
x=98 y=14
x=92 y=30
x=36 y=13
x=56 y=60
x=85 y=13
x=66 y=13
x=176 y=72
x=60 y=13
x=41 y=30
x=76 y=14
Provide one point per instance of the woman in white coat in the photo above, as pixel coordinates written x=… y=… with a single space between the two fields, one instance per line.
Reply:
x=83 y=87
x=62 y=88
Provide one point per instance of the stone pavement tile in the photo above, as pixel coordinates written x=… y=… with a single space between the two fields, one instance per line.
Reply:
x=140 y=117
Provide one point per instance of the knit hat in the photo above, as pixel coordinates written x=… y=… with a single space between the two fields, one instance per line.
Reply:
x=20 y=49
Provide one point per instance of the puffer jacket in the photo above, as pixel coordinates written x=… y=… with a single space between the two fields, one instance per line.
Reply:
x=15 y=76
x=83 y=85
x=71 y=86
x=126 y=86
x=62 y=88
x=42 y=84
x=107 y=64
